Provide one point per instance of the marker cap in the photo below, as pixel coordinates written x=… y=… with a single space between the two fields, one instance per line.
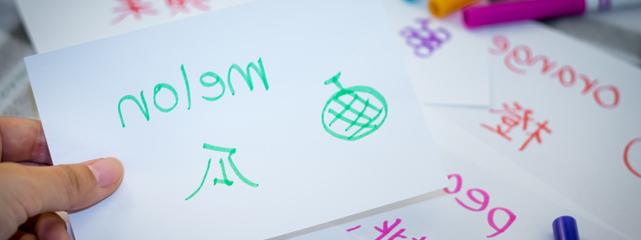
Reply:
x=442 y=8
x=509 y=11
x=565 y=228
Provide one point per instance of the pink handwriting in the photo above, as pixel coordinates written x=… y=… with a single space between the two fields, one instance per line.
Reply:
x=389 y=231
x=520 y=58
x=626 y=157
x=481 y=199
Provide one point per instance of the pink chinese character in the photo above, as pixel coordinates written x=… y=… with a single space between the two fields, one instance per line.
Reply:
x=388 y=229
x=135 y=8
x=177 y=6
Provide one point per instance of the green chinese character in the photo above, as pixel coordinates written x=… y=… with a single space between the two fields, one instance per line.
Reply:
x=353 y=112
x=224 y=180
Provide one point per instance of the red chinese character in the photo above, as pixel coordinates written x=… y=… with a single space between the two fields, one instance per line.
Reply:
x=513 y=117
x=135 y=8
x=536 y=135
x=177 y=6
x=388 y=229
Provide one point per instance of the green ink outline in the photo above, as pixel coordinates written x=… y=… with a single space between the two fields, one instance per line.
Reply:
x=247 y=75
x=231 y=152
x=219 y=79
x=225 y=179
x=157 y=89
x=352 y=91
x=187 y=87
x=145 y=111
x=201 y=182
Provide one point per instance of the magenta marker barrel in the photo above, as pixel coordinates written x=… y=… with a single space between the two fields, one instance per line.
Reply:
x=510 y=11
x=518 y=10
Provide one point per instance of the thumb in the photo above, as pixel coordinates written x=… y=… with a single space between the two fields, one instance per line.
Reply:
x=30 y=190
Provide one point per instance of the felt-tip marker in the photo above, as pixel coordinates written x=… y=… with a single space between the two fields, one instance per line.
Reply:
x=565 y=228
x=509 y=11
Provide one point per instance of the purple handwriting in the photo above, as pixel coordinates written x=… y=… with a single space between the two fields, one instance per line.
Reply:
x=424 y=40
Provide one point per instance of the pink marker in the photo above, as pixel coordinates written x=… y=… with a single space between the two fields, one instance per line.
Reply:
x=511 y=10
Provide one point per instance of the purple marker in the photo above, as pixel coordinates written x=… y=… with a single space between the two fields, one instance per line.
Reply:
x=511 y=10
x=564 y=228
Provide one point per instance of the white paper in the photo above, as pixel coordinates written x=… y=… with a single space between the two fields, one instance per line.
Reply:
x=533 y=204
x=62 y=23
x=306 y=176
x=544 y=180
x=582 y=154
x=442 y=59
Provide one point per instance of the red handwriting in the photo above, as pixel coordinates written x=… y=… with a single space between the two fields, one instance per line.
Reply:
x=138 y=8
x=480 y=200
x=389 y=231
x=626 y=156
x=516 y=116
x=135 y=8
x=520 y=58
x=177 y=6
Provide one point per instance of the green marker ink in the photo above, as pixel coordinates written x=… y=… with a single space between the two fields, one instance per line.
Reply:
x=201 y=182
x=240 y=175
x=231 y=152
x=246 y=74
x=218 y=81
x=157 y=89
x=354 y=112
x=260 y=70
x=225 y=180
x=186 y=80
x=142 y=107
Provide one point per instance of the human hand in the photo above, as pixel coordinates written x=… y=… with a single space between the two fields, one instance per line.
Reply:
x=31 y=189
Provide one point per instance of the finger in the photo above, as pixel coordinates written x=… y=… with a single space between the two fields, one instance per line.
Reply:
x=29 y=226
x=23 y=140
x=20 y=235
x=50 y=226
x=30 y=190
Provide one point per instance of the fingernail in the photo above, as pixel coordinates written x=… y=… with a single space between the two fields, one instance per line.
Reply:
x=107 y=171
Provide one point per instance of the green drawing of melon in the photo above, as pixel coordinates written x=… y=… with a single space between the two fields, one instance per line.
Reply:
x=353 y=112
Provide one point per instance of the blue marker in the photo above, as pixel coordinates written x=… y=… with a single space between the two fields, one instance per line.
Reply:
x=565 y=228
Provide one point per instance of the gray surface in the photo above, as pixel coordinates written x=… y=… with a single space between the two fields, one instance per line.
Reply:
x=16 y=98
x=618 y=40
